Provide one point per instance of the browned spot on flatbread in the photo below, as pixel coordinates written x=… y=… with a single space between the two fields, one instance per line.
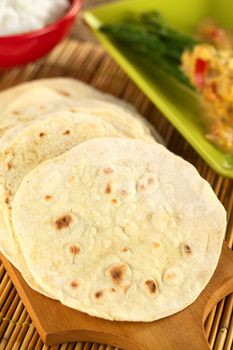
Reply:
x=108 y=188
x=67 y=132
x=48 y=197
x=74 y=284
x=186 y=249
x=114 y=201
x=113 y=290
x=64 y=93
x=126 y=288
x=107 y=170
x=149 y=217
x=116 y=273
x=156 y=245
x=72 y=178
x=63 y=222
x=125 y=249
x=99 y=294
x=9 y=166
x=150 y=181
x=142 y=187
x=151 y=286
x=41 y=134
x=74 y=249
x=15 y=112
x=8 y=195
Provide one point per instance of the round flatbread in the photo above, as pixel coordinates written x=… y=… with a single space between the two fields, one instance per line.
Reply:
x=132 y=125
x=11 y=250
x=129 y=124
x=64 y=87
x=119 y=229
x=30 y=146
x=28 y=101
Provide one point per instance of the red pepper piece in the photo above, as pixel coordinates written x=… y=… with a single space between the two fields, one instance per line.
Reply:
x=214 y=33
x=201 y=67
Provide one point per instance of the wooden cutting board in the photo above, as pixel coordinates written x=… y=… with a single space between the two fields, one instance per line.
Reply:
x=57 y=323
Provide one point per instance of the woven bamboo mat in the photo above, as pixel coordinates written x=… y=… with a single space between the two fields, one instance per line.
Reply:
x=91 y=64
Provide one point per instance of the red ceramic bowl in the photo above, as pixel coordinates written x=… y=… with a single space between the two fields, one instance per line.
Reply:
x=16 y=50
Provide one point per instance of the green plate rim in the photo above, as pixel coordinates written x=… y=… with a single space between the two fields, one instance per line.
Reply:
x=133 y=73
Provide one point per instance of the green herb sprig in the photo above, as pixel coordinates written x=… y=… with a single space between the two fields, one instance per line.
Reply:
x=152 y=37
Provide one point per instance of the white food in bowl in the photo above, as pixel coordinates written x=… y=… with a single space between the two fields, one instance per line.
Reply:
x=21 y=16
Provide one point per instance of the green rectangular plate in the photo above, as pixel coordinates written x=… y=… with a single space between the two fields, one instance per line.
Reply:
x=177 y=103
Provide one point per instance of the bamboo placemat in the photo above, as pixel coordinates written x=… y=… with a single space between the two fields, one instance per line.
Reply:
x=91 y=64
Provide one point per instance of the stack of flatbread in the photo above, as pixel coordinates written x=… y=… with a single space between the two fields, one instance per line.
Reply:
x=95 y=211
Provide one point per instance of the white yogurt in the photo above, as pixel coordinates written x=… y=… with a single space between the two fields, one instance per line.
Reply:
x=20 y=16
